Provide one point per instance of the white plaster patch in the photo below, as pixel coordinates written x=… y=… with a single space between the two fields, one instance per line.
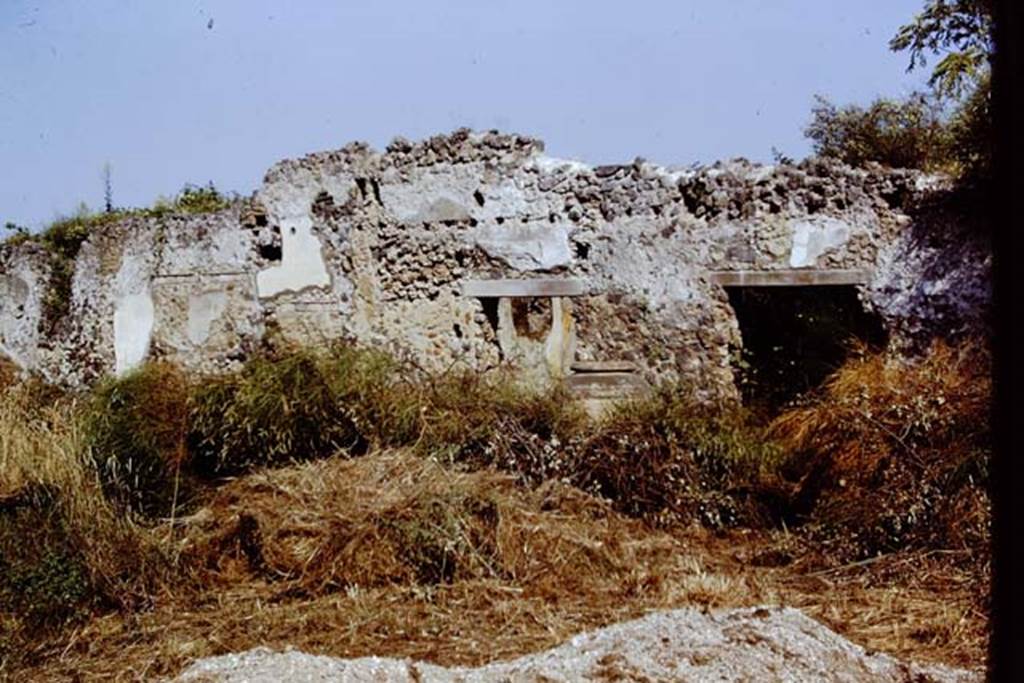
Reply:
x=440 y=210
x=133 y=325
x=302 y=261
x=812 y=238
x=203 y=310
x=430 y=197
x=527 y=247
x=548 y=164
x=14 y=318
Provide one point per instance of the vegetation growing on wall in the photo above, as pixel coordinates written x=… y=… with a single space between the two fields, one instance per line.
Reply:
x=63 y=238
x=908 y=133
x=948 y=129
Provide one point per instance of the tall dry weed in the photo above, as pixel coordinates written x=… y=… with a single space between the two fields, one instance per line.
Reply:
x=64 y=548
x=895 y=452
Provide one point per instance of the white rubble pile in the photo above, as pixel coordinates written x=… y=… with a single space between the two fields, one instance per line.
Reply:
x=753 y=644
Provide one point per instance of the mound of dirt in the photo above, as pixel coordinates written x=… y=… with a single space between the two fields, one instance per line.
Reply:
x=680 y=645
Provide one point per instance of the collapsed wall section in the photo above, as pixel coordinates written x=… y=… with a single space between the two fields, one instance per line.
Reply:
x=374 y=247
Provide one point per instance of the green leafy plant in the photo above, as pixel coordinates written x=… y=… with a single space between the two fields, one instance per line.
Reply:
x=960 y=31
x=908 y=133
x=193 y=199
x=949 y=129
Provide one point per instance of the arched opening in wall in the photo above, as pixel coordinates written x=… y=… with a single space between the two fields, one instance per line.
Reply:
x=794 y=337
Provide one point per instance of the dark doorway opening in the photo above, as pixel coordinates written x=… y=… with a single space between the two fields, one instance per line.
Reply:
x=794 y=337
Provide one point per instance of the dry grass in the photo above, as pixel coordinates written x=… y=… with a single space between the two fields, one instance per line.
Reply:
x=64 y=548
x=323 y=565
x=446 y=550
x=895 y=454
x=8 y=373
x=394 y=554
x=394 y=518
x=914 y=604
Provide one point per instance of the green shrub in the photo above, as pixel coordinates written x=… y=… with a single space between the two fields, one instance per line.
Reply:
x=490 y=421
x=284 y=407
x=193 y=199
x=44 y=582
x=447 y=536
x=909 y=133
x=972 y=134
x=297 y=404
x=668 y=461
x=135 y=428
x=662 y=459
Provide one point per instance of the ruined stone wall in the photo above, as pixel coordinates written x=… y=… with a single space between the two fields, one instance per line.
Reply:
x=375 y=247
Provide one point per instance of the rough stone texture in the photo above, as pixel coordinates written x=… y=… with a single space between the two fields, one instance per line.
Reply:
x=756 y=644
x=375 y=246
x=934 y=278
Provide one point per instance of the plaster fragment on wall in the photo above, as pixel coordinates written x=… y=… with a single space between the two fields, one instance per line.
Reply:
x=812 y=238
x=133 y=326
x=526 y=247
x=203 y=310
x=442 y=210
x=14 y=319
x=302 y=261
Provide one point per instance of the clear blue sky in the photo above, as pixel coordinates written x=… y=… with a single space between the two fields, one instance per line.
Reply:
x=167 y=98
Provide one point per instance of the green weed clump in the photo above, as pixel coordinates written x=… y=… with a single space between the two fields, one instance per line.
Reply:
x=152 y=435
x=63 y=239
x=298 y=404
x=446 y=536
x=65 y=549
x=135 y=429
x=46 y=581
x=193 y=199
x=478 y=422
x=289 y=406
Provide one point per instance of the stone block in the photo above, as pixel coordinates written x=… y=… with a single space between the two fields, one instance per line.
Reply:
x=789 y=278
x=547 y=287
x=583 y=367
